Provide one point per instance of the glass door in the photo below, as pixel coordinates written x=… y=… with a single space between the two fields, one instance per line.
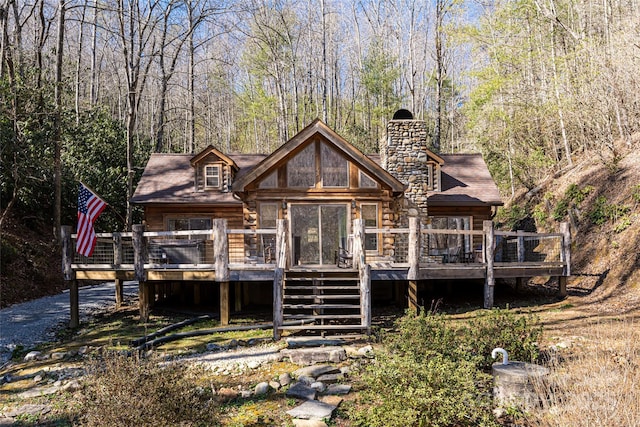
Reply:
x=317 y=231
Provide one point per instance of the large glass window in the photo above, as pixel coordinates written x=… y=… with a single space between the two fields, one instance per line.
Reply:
x=447 y=243
x=366 y=181
x=301 y=169
x=370 y=217
x=212 y=176
x=268 y=215
x=335 y=168
x=271 y=181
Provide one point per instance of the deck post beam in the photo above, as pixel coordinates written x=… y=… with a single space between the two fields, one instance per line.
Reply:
x=221 y=257
x=139 y=257
x=70 y=276
x=278 y=277
x=117 y=261
x=489 y=248
x=565 y=257
x=414 y=262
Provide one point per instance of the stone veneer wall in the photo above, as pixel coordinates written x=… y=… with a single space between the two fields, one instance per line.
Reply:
x=405 y=156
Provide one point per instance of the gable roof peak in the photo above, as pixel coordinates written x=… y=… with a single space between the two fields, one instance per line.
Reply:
x=210 y=149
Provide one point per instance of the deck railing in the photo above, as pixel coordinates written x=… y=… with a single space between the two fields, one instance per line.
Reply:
x=246 y=248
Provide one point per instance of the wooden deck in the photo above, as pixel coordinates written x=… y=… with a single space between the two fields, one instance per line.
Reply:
x=213 y=256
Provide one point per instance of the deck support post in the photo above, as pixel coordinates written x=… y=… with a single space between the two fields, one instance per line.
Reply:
x=364 y=273
x=221 y=257
x=237 y=296
x=489 y=247
x=414 y=263
x=117 y=261
x=139 y=257
x=565 y=257
x=70 y=276
x=278 y=276
x=197 y=293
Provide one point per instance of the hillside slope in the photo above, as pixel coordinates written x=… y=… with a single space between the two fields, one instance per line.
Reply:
x=601 y=200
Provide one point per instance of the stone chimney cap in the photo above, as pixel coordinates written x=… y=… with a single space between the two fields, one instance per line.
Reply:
x=403 y=114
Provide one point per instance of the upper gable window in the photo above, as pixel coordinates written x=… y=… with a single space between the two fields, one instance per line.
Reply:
x=366 y=181
x=301 y=169
x=212 y=176
x=335 y=168
x=270 y=181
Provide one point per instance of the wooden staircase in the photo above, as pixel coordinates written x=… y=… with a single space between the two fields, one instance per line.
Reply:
x=330 y=299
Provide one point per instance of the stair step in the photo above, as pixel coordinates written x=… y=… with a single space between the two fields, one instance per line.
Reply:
x=321 y=327
x=322 y=316
x=322 y=279
x=322 y=296
x=316 y=306
x=328 y=287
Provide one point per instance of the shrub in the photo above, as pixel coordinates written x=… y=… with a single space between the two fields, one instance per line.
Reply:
x=126 y=391
x=603 y=211
x=519 y=335
x=438 y=391
x=435 y=373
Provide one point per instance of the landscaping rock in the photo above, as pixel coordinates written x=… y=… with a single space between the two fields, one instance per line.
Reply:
x=309 y=423
x=318 y=386
x=331 y=400
x=71 y=386
x=312 y=342
x=213 y=347
x=366 y=351
x=227 y=393
x=330 y=378
x=311 y=356
x=301 y=391
x=261 y=388
x=306 y=379
x=315 y=371
x=274 y=385
x=33 y=410
x=284 y=379
x=312 y=409
x=37 y=392
x=32 y=355
x=338 y=389
x=59 y=355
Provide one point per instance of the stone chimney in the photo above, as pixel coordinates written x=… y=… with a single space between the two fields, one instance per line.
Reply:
x=405 y=156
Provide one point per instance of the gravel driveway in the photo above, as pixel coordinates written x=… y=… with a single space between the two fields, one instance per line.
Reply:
x=36 y=321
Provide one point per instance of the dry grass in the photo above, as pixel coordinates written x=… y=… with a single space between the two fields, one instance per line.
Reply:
x=596 y=380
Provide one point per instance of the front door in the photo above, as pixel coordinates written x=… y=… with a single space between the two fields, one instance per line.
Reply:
x=317 y=231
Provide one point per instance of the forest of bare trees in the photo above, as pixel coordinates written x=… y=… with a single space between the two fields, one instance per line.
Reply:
x=89 y=89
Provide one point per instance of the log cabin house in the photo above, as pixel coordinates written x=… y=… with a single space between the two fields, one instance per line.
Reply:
x=321 y=221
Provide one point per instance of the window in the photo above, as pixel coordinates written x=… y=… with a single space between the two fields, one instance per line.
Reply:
x=268 y=215
x=370 y=217
x=335 y=168
x=301 y=169
x=180 y=224
x=271 y=181
x=212 y=176
x=366 y=181
x=440 y=242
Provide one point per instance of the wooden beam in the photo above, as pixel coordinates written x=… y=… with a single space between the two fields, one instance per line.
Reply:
x=365 y=296
x=221 y=249
x=562 y=286
x=489 y=284
x=414 y=248
x=282 y=258
x=413 y=296
x=358 y=243
x=237 y=296
x=144 y=303
x=224 y=303
x=69 y=276
x=565 y=254
x=119 y=293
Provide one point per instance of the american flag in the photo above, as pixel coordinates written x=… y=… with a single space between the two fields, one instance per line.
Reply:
x=89 y=207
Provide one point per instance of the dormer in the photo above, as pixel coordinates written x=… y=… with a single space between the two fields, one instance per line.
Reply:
x=213 y=171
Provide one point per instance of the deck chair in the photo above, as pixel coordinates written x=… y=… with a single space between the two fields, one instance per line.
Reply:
x=344 y=256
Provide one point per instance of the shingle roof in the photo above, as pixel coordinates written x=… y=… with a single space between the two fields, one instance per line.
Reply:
x=169 y=178
x=466 y=181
